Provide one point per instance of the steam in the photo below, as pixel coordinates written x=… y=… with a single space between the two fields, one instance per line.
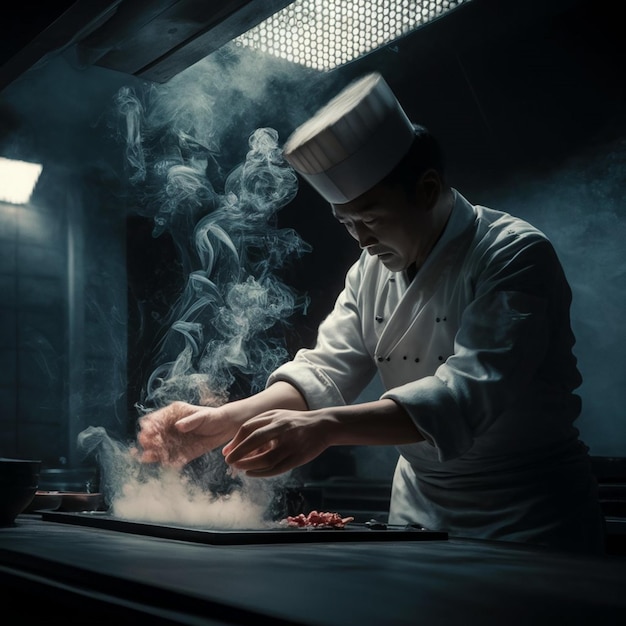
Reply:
x=232 y=298
x=225 y=326
x=215 y=191
x=162 y=495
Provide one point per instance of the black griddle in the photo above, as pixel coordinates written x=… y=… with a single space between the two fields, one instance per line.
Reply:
x=282 y=534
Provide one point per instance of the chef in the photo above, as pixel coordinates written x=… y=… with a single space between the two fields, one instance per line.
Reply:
x=463 y=313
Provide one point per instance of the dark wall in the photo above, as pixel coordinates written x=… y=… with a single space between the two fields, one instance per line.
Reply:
x=32 y=309
x=62 y=269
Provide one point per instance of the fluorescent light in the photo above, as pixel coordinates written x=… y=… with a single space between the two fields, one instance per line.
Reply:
x=17 y=180
x=323 y=34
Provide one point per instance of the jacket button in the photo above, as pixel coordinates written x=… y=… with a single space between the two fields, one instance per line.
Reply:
x=379 y=319
x=417 y=359
x=380 y=358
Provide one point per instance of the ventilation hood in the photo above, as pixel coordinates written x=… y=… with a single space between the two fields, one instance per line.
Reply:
x=151 y=39
x=156 y=39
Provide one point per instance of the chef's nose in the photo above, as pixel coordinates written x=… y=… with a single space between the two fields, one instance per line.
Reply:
x=363 y=235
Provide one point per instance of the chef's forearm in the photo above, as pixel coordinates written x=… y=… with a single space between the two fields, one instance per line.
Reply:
x=382 y=422
x=280 y=395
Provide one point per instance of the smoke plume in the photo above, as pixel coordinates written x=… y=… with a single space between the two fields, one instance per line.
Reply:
x=224 y=334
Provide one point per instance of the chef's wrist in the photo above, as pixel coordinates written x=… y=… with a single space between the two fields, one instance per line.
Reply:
x=332 y=426
x=237 y=412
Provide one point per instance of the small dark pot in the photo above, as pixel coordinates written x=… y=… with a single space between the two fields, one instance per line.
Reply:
x=19 y=480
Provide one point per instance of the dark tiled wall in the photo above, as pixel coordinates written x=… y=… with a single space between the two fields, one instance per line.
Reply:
x=33 y=332
x=62 y=321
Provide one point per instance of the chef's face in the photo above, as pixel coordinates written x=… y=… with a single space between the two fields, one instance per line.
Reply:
x=392 y=224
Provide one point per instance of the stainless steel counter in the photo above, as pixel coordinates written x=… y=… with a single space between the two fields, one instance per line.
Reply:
x=132 y=579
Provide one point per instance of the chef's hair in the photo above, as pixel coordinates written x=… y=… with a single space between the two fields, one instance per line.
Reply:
x=424 y=154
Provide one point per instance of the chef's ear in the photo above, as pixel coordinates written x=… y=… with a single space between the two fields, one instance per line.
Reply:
x=429 y=188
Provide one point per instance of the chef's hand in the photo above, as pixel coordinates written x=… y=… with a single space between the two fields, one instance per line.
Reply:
x=180 y=432
x=277 y=441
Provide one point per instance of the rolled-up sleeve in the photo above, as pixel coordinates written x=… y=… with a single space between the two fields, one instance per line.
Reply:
x=336 y=370
x=427 y=400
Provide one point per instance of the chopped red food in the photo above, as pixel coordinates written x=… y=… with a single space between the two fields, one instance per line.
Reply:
x=316 y=519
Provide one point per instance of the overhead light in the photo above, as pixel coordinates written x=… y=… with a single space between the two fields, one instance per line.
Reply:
x=18 y=180
x=324 y=34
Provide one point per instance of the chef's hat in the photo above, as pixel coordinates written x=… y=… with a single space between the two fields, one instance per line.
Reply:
x=353 y=142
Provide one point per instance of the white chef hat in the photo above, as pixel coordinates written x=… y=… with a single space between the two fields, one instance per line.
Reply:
x=353 y=142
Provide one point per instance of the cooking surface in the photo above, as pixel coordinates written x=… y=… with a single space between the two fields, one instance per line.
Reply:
x=450 y=581
x=352 y=532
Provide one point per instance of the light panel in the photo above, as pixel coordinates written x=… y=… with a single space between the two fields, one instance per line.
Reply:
x=17 y=180
x=324 y=34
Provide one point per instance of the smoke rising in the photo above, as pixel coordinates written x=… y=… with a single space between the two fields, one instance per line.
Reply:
x=210 y=180
x=223 y=321
x=178 y=144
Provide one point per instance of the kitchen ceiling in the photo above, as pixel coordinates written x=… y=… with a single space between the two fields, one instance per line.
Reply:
x=157 y=39
x=151 y=39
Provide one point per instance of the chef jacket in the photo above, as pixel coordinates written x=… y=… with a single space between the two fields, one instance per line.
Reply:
x=477 y=349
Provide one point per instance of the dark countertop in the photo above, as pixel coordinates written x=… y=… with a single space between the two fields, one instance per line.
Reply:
x=127 y=578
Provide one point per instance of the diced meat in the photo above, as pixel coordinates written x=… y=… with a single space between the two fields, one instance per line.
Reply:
x=317 y=519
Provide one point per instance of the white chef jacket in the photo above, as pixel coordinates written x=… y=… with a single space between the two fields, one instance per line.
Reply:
x=478 y=350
